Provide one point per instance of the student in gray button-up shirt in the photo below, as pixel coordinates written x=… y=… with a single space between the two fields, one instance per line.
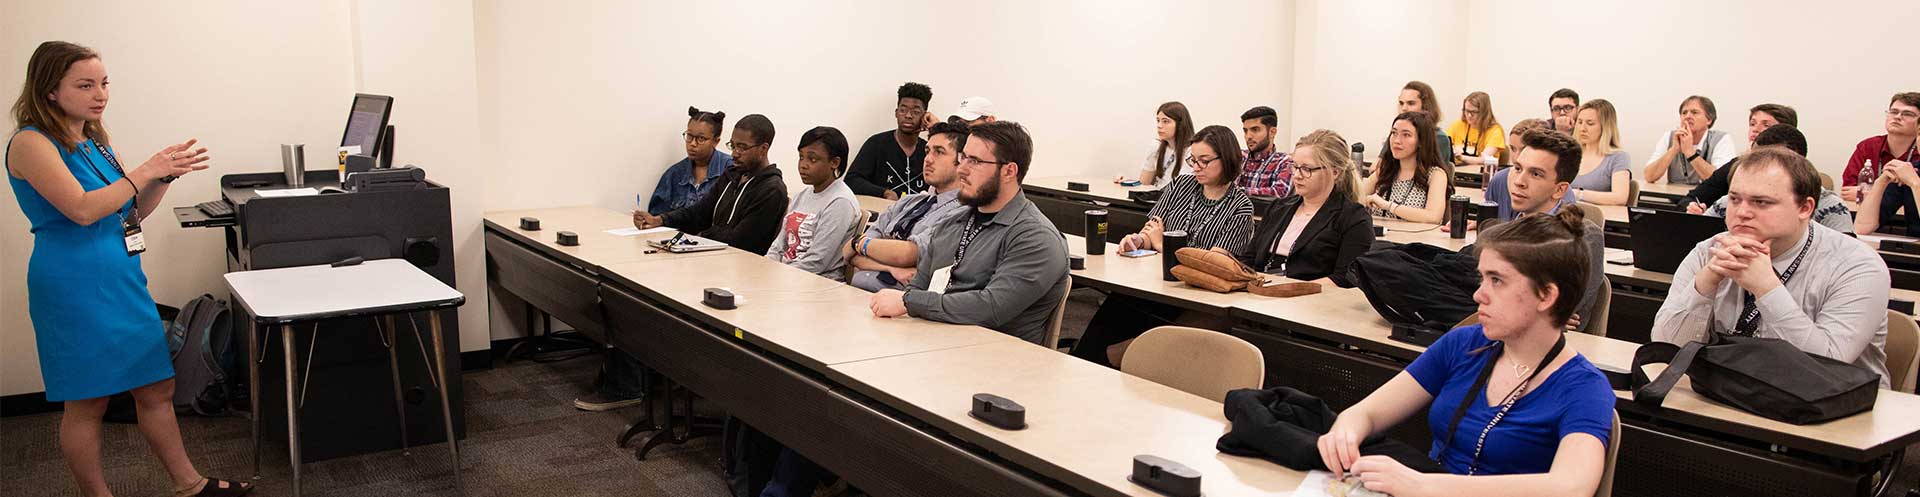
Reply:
x=1004 y=265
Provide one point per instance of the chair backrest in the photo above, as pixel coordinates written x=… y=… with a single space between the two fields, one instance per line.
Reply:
x=1826 y=182
x=1613 y=456
x=1052 y=341
x=859 y=226
x=1201 y=362
x=1602 y=307
x=1903 y=350
x=1633 y=195
x=1592 y=213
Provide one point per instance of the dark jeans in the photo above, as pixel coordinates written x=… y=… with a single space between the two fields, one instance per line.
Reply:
x=793 y=476
x=623 y=377
x=1119 y=319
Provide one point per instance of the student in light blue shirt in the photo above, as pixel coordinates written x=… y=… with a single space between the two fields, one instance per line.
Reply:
x=686 y=181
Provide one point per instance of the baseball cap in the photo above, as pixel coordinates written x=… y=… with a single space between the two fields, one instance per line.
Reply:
x=973 y=107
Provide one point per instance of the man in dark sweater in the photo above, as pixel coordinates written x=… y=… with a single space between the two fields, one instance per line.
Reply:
x=743 y=210
x=889 y=163
x=745 y=207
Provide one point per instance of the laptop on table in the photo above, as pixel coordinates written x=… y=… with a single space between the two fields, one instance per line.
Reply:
x=1662 y=239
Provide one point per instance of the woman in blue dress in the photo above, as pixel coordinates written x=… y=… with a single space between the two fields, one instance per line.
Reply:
x=94 y=322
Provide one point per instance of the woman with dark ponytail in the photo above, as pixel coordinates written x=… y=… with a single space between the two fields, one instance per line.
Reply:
x=685 y=181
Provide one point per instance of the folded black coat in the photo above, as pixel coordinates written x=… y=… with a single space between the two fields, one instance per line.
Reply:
x=1284 y=425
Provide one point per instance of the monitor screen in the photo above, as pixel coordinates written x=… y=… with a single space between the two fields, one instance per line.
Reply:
x=365 y=122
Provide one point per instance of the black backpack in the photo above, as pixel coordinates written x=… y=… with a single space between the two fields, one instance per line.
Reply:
x=1422 y=290
x=201 y=341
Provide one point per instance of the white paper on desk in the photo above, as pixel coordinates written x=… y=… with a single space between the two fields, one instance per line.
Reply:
x=286 y=192
x=1315 y=485
x=638 y=231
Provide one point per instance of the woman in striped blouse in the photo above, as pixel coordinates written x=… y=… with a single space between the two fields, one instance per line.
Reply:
x=1209 y=205
x=1214 y=211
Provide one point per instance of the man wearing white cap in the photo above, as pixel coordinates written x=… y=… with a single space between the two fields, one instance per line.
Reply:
x=973 y=111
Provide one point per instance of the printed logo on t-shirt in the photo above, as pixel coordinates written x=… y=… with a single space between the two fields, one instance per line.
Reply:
x=798 y=230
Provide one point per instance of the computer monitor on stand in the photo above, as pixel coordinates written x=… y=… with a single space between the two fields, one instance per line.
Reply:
x=367 y=129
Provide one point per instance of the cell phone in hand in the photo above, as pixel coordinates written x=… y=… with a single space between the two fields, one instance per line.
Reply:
x=1139 y=253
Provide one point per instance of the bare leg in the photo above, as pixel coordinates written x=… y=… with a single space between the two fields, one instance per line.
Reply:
x=80 y=444
x=162 y=430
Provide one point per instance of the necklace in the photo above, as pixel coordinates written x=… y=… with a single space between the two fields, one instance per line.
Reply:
x=1520 y=370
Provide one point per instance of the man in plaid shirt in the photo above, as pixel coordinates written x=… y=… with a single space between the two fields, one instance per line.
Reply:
x=1266 y=171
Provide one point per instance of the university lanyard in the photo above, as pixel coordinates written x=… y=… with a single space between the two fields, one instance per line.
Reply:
x=1506 y=404
x=1750 y=311
x=974 y=226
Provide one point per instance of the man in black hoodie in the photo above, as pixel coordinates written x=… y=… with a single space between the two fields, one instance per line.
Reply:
x=743 y=210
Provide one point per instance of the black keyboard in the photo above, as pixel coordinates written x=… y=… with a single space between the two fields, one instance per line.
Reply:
x=217 y=208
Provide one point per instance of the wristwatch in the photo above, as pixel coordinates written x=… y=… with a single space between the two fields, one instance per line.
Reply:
x=1696 y=155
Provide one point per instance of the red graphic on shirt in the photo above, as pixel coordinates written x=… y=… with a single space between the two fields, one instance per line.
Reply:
x=798 y=230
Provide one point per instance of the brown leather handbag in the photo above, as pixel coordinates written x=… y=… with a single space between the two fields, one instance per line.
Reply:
x=1216 y=269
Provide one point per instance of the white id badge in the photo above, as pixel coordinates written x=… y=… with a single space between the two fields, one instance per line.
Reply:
x=940 y=279
x=135 y=240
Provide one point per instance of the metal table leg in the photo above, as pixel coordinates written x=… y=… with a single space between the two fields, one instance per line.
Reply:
x=293 y=407
x=253 y=387
x=391 y=336
x=446 y=406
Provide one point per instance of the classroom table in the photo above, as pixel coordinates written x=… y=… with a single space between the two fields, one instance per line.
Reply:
x=1067 y=208
x=771 y=362
x=557 y=280
x=1335 y=345
x=285 y=297
x=1074 y=434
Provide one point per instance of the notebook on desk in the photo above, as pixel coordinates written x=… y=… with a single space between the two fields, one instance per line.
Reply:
x=685 y=243
x=1662 y=239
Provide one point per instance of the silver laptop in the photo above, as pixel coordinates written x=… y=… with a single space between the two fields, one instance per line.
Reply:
x=684 y=243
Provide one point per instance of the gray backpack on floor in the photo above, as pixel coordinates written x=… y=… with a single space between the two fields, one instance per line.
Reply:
x=201 y=341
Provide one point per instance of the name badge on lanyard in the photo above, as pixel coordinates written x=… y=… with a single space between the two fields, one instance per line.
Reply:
x=131 y=235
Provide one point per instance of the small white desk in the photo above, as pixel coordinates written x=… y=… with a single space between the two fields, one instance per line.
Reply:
x=288 y=296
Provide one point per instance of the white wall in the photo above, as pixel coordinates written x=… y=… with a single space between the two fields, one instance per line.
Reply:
x=588 y=103
x=1352 y=58
x=1835 y=65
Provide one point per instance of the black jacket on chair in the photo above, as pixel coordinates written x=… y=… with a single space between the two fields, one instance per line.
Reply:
x=1336 y=235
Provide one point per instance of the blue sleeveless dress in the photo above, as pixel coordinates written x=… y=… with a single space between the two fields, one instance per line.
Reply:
x=93 y=320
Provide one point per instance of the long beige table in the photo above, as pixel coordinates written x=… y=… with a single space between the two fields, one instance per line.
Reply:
x=1335 y=345
x=1073 y=426
x=773 y=362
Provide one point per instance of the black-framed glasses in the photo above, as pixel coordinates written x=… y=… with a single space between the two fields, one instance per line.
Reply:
x=1561 y=109
x=696 y=139
x=1195 y=161
x=738 y=147
x=1304 y=170
x=968 y=160
x=908 y=111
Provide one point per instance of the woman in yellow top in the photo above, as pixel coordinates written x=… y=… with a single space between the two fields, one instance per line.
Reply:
x=1477 y=134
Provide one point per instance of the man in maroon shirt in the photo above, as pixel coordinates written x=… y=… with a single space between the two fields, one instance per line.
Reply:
x=1903 y=124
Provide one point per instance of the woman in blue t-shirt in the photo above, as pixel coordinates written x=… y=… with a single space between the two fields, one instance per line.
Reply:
x=1537 y=415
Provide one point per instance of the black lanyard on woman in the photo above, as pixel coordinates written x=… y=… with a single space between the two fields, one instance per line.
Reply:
x=115 y=163
x=1506 y=404
x=130 y=232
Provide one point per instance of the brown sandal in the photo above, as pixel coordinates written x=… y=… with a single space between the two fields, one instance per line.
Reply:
x=216 y=487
